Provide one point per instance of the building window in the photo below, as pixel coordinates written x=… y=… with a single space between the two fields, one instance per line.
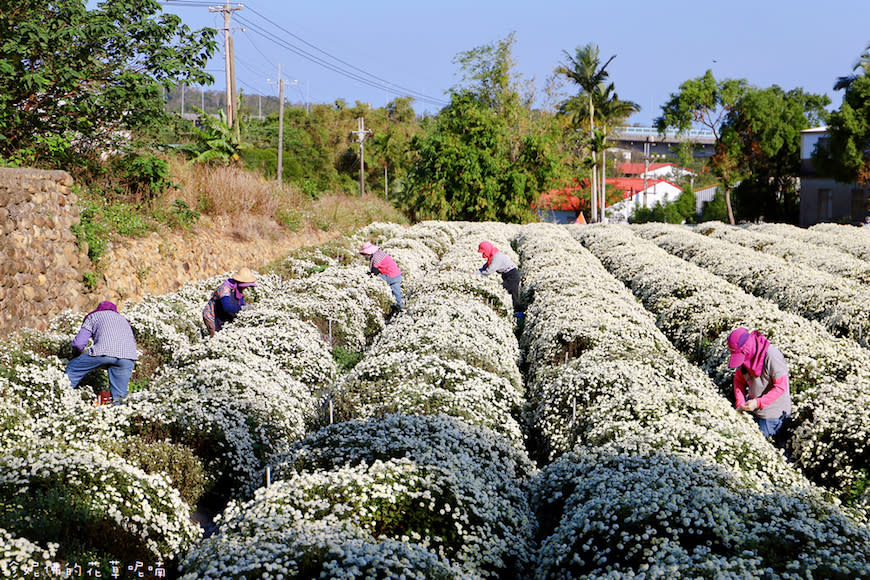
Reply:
x=859 y=205
x=826 y=204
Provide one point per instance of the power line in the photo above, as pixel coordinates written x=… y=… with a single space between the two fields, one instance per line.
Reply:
x=333 y=67
x=386 y=84
x=360 y=76
x=347 y=70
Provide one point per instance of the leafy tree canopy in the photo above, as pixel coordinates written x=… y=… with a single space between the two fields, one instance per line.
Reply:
x=762 y=132
x=72 y=80
x=706 y=101
x=483 y=157
x=845 y=154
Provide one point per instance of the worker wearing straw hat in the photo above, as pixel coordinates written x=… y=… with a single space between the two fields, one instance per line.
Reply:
x=228 y=300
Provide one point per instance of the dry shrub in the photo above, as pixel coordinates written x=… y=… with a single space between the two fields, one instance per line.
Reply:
x=345 y=213
x=232 y=195
x=229 y=190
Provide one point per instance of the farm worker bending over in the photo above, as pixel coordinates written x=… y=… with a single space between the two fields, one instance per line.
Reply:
x=227 y=301
x=496 y=261
x=761 y=379
x=114 y=348
x=381 y=264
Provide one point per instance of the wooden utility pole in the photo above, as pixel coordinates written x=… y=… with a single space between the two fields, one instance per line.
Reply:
x=361 y=134
x=229 y=60
x=280 y=129
x=280 y=83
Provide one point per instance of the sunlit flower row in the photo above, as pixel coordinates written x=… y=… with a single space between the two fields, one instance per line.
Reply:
x=841 y=304
x=697 y=310
x=828 y=258
x=663 y=475
x=850 y=239
x=423 y=493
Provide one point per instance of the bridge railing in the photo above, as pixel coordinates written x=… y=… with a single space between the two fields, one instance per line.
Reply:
x=670 y=133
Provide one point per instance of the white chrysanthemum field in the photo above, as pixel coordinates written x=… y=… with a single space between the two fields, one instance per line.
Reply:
x=323 y=434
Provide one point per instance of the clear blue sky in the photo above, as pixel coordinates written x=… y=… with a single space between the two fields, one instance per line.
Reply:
x=412 y=44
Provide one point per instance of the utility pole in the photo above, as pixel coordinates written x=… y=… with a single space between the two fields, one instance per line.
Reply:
x=280 y=129
x=280 y=83
x=361 y=134
x=229 y=60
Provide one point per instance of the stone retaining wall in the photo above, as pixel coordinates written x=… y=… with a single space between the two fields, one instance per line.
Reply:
x=42 y=267
x=40 y=273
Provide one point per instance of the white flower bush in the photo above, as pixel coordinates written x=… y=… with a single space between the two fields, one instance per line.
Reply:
x=668 y=285
x=850 y=239
x=841 y=304
x=448 y=496
x=606 y=514
x=827 y=258
x=621 y=380
x=398 y=382
x=292 y=345
x=20 y=556
x=427 y=473
x=238 y=415
x=321 y=549
x=48 y=480
x=342 y=300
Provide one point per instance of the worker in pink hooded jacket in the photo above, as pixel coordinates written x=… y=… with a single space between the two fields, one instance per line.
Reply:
x=382 y=264
x=497 y=261
x=761 y=379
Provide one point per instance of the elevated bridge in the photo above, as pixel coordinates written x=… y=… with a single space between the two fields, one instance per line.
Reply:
x=635 y=138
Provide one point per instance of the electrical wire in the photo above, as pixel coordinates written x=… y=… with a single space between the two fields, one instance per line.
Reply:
x=334 y=63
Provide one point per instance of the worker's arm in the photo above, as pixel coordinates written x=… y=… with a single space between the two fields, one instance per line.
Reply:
x=81 y=340
x=739 y=389
x=230 y=306
x=780 y=386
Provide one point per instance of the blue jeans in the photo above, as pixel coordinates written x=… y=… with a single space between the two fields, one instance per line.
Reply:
x=119 y=370
x=770 y=427
x=396 y=286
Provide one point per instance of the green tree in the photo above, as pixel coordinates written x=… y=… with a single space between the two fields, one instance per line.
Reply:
x=706 y=101
x=215 y=141
x=845 y=154
x=73 y=80
x=863 y=65
x=482 y=157
x=763 y=133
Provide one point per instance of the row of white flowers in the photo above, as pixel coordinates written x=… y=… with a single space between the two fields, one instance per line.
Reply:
x=850 y=239
x=396 y=497
x=828 y=259
x=697 y=310
x=423 y=493
x=428 y=477
x=236 y=400
x=452 y=351
x=664 y=479
x=841 y=304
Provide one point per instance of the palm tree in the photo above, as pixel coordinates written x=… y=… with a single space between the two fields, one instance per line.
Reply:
x=584 y=68
x=863 y=65
x=611 y=110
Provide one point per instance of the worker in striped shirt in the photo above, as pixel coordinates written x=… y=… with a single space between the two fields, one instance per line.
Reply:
x=113 y=348
x=382 y=264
